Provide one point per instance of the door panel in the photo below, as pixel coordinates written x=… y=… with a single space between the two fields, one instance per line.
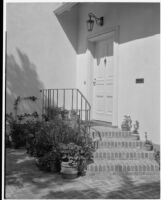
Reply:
x=103 y=80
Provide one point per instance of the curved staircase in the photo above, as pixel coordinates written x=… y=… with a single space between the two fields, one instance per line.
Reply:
x=118 y=152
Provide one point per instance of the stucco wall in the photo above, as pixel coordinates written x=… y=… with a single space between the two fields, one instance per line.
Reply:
x=48 y=51
x=138 y=57
x=39 y=54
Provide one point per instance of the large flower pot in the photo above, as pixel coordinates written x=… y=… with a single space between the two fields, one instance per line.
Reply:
x=67 y=171
x=148 y=147
x=135 y=136
x=125 y=128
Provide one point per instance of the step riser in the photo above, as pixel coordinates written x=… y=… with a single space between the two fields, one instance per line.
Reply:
x=120 y=144
x=115 y=134
x=121 y=153
x=122 y=173
x=123 y=156
x=123 y=169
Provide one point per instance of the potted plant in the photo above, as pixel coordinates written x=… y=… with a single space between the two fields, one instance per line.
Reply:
x=135 y=133
x=49 y=162
x=157 y=157
x=75 y=159
x=126 y=124
x=148 y=144
x=69 y=160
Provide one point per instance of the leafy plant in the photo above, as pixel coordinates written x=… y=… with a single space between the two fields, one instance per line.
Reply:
x=136 y=127
x=22 y=128
x=64 y=113
x=74 y=145
x=127 y=123
x=148 y=142
x=50 y=161
x=157 y=157
x=19 y=99
x=52 y=113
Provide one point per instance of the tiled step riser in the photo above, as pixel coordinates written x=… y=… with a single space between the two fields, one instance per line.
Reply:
x=104 y=174
x=116 y=134
x=123 y=156
x=122 y=169
x=120 y=144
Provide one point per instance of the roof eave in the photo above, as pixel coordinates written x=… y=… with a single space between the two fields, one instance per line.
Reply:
x=64 y=7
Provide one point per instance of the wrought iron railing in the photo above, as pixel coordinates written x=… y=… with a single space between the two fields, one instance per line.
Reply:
x=67 y=98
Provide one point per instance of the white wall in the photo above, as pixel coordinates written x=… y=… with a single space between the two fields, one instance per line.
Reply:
x=138 y=58
x=53 y=52
x=39 y=54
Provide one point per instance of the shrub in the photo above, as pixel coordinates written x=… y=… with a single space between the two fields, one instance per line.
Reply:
x=22 y=128
x=52 y=113
x=51 y=139
x=49 y=161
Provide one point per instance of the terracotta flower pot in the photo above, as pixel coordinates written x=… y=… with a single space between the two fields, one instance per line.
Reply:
x=135 y=136
x=125 y=128
x=67 y=171
x=148 y=147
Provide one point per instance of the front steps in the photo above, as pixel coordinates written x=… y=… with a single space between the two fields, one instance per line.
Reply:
x=118 y=152
x=123 y=154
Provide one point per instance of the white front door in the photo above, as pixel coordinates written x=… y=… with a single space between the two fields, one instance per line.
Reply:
x=103 y=80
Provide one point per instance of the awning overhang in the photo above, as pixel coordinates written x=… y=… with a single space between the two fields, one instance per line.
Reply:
x=64 y=7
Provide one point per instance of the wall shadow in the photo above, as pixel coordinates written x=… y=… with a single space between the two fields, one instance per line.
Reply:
x=22 y=80
x=136 y=21
x=69 y=23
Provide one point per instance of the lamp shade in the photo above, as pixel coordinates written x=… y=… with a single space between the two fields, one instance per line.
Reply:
x=90 y=24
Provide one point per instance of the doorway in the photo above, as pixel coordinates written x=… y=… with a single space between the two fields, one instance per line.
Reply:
x=103 y=80
x=104 y=76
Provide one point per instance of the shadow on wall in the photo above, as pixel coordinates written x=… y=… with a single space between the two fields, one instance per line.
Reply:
x=69 y=23
x=136 y=20
x=22 y=80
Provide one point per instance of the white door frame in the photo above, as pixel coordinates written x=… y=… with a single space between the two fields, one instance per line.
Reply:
x=96 y=37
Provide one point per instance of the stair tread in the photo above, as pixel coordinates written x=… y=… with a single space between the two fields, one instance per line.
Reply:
x=122 y=139
x=122 y=150
x=122 y=162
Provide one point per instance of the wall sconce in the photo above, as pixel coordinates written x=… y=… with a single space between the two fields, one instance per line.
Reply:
x=90 y=21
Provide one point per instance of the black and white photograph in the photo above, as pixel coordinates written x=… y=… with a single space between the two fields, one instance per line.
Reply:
x=81 y=105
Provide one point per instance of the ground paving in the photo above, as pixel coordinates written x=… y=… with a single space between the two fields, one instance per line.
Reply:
x=25 y=181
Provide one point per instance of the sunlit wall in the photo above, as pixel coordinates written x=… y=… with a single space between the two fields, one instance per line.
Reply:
x=39 y=54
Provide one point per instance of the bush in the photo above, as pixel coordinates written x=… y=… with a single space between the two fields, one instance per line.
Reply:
x=22 y=128
x=53 y=136
x=49 y=162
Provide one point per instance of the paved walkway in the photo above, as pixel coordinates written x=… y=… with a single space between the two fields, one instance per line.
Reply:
x=25 y=181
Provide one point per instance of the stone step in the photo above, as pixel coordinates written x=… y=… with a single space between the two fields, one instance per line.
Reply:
x=133 y=167
x=149 y=176
x=115 y=143
x=123 y=154
x=116 y=134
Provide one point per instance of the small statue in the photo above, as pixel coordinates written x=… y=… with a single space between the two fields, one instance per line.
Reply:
x=136 y=127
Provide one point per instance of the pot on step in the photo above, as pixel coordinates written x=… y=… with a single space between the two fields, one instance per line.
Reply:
x=68 y=171
x=135 y=136
x=148 y=147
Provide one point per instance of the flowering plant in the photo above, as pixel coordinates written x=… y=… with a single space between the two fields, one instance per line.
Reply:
x=76 y=155
x=127 y=123
x=71 y=153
